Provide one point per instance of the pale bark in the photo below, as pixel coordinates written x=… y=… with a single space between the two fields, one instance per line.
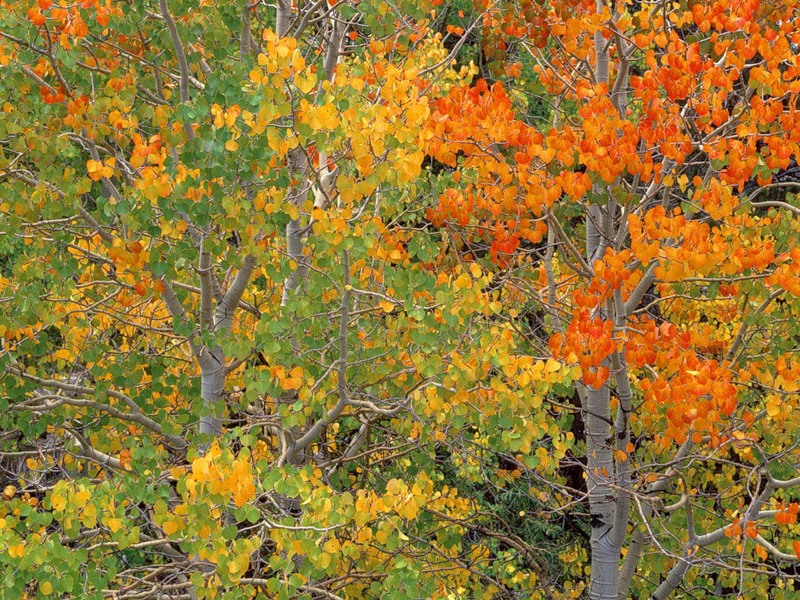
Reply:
x=674 y=577
x=602 y=496
x=283 y=17
x=640 y=290
x=600 y=51
x=295 y=249
x=180 y=54
x=594 y=219
x=212 y=361
x=212 y=386
x=295 y=246
x=609 y=481
x=600 y=461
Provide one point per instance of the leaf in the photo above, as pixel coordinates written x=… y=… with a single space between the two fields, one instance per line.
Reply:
x=171 y=527
x=319 y=118
x=81 y=497
x=113 y=524
x=305 y=81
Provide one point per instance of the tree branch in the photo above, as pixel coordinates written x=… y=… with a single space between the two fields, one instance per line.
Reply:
x=341 y=384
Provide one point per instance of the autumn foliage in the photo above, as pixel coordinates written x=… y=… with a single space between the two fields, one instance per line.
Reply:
x=430 y=299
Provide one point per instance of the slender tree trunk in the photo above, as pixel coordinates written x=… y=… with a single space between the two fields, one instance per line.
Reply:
x=283 y=17
x=212 y=385
x=608 y=480
x=600 y=473
x=602 y=497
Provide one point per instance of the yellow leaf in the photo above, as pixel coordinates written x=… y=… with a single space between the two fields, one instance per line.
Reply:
x=9 y=491
x=114 y=524
x=95 y=169
x=322 y=117
x=463 y=281
x=409 y=169
x=171 y=527
x=394 y=486
x=357 y=83
x=773 y=406
x=244 y=494
x=46 y=588
x=81 y=498
x=552 y=366
x=89 y=516
x=305 y=81
x=16 y=551
x=62 y=354
x=58 y=502
x=292 y=211
x=409 y=510
x=298 y=62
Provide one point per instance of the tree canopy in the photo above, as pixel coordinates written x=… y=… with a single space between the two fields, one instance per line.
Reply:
x=410 y=299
